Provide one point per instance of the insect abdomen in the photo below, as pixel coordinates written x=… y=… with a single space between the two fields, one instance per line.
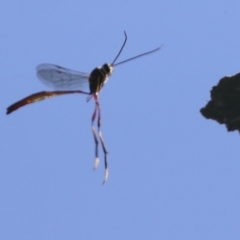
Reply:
x=96 y=80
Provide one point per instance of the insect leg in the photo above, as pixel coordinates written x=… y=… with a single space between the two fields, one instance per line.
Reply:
x=96 y=162
x=38 y=97
x=101 y=140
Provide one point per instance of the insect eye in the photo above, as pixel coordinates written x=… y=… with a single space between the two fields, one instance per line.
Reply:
x=106 y=68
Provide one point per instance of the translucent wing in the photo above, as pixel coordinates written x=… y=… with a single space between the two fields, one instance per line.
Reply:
x=61 y=78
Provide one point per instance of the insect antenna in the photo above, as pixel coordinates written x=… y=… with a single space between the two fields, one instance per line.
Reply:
x=120 y=49
x=140 y=55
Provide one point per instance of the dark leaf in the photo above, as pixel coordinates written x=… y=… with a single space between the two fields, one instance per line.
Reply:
x=224 y=106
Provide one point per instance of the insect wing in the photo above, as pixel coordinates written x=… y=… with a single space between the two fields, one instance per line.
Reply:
x=61 y=78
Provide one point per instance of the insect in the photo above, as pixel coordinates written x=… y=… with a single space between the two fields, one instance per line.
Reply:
x=66 y=81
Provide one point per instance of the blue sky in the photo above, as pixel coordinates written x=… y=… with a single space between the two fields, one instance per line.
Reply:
x=173 y=174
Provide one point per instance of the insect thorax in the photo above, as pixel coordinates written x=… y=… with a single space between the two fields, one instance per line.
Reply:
x=99 y=77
